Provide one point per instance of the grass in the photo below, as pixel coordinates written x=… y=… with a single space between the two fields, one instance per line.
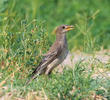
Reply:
x=75 y=84
x=25 y=34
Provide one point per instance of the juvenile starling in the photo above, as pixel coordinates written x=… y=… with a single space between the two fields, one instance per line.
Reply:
x=56 y=54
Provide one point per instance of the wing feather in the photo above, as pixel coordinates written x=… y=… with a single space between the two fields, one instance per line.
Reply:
x=48 y=58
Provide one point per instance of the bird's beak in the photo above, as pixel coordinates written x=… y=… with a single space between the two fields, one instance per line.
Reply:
x=69 y=27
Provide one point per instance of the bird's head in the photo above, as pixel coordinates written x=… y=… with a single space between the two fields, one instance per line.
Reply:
x=63 y=29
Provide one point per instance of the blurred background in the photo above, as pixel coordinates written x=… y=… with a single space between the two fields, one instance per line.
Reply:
x=91 y=18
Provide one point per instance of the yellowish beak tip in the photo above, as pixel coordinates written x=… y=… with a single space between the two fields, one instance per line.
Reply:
x=68 y=28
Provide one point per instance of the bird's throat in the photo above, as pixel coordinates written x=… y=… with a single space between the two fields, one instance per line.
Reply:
x=61 y=37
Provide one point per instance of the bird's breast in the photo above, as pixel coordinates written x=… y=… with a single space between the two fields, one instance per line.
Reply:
x=64 y=52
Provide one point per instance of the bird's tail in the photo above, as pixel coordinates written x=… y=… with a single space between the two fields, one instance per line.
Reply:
x=32 y=78
x=38 y=71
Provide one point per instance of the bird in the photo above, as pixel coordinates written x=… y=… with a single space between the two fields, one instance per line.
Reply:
x=56 y=54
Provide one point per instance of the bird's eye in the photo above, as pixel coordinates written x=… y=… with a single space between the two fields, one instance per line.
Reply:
x=63 y=27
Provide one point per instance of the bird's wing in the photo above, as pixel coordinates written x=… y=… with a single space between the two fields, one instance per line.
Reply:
x=49 y=57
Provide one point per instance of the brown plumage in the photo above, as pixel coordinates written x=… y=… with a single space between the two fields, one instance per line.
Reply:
x=56 y=54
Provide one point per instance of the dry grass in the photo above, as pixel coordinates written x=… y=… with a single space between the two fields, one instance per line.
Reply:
x=90 y=62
